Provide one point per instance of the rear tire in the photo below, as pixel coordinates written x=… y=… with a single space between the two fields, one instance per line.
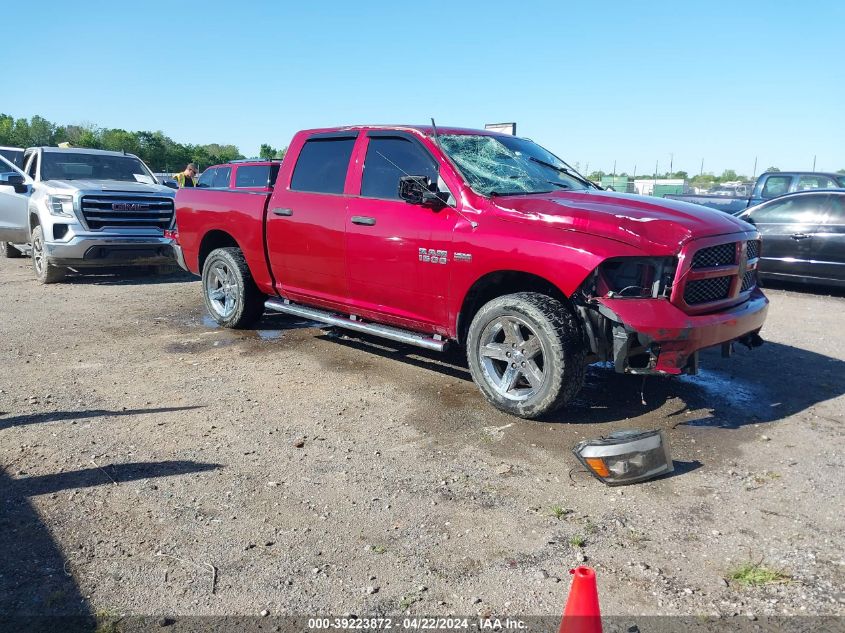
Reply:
x=526 y=353
x=231 y=296
x=45 y=271
x=10 y=251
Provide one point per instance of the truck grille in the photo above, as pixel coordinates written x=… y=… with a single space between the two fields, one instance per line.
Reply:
x=717 y=274
x=749 y=280
x=721 y=255
x=127 y=211
x=707 y=290
x=753 y=249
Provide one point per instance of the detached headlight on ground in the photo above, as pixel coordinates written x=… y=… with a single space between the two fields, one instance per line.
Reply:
x=625 y=457
x=61 y=206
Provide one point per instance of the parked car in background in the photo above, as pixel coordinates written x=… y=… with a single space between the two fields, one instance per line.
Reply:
x=768 y=186
x=473 y=238
x=81 y=208
x=13 y=154
x=803 y=237
x=247 y=174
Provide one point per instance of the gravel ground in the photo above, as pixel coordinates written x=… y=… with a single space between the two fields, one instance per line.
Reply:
x=155 y=464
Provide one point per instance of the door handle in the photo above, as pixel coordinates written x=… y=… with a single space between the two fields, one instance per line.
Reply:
x=284 y=212
x=363 y=220
x=799 y=236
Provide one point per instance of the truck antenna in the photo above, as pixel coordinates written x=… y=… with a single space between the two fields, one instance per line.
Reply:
x=436 y=135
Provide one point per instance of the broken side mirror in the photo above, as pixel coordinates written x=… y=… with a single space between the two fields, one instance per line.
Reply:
x=419 y=190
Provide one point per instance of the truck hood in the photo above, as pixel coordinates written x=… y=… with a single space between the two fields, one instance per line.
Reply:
x=640 y=221
x=105 y=186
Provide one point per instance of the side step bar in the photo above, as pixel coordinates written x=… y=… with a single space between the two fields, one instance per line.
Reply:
x=350 y=323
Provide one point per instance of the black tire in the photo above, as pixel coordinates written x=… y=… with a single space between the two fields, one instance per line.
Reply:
x=544 y=373
x=45 y=271
x=225 y=270
x=10 y=251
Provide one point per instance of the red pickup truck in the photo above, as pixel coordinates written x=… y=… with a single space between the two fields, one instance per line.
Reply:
x=437 y=236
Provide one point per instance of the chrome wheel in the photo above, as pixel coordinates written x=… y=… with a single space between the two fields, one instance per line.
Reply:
x=511 y=356
x=38 y=254
x=222 y=290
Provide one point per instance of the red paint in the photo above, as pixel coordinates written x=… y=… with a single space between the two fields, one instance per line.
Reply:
x=318 y=256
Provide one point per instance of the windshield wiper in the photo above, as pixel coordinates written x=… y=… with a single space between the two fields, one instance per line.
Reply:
x=563 y=170
x=497 y=194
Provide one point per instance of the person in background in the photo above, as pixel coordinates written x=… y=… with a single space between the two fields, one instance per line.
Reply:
x=187 y=178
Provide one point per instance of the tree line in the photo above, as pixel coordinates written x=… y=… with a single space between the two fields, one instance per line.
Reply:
x=160 y=152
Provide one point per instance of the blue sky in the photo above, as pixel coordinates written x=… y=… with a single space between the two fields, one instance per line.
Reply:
x=593 y=82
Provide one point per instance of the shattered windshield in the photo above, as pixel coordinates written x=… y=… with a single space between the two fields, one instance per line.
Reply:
x=507 y=165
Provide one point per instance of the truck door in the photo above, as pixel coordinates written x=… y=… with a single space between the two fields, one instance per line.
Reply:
x=305 y=222
x=14 y=203
x=398 y=254
x=787 y=226
x=828 y=245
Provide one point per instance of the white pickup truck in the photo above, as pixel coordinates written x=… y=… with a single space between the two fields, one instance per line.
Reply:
x=81 y=208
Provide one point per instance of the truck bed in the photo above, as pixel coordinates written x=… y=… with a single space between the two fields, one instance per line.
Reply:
x=241 y=214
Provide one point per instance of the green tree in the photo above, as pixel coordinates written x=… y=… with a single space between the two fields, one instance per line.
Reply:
x=727 y=175
x=772 y=169
x=596 y=176
x=841 y=171
x=119 y=141
x=266 y=152
x=680 y=174
x=7 y=126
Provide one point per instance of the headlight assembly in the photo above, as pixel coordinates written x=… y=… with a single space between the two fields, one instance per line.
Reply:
x=625 y=457
x=61 y=206
x=637 y=277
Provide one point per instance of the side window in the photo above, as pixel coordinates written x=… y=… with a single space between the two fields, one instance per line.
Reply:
x=252 y=176
x=776 y=186
x=207 y=178
x=388 y=159
x=836 y=211
x=274 y=173
x=222 y=178
x=322 y=165
x=32 y=169
x=807 y=209
x=815 y=182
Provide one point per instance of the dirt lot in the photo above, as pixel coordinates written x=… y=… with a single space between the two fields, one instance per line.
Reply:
x=141 y=447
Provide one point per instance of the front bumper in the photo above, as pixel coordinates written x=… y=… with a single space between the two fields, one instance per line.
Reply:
x=82 y=251
x=670 y=337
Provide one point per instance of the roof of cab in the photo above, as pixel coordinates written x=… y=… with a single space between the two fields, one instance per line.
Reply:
x=426 y=130
x=80 y=150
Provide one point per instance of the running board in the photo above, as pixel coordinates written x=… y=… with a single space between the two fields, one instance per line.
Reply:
x=350 y=323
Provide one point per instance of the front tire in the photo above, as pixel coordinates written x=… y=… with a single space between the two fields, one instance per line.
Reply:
x=231 y=296
x=526 y=353
x=45 y=271
x=10 y=251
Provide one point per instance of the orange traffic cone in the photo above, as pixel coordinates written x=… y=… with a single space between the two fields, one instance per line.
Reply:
x=582 y=614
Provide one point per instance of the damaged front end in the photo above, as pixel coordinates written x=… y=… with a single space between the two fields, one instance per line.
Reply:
x=652 y=315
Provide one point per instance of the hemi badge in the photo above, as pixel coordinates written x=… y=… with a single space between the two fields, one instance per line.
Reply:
x=463 y=257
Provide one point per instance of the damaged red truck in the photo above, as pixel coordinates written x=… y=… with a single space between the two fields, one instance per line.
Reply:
x=433 y=237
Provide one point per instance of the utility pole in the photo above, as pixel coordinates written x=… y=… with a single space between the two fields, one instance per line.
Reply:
x=754 y=173
x=814 y=162
x=701 y=171
x=671 y=164
x=614 y=169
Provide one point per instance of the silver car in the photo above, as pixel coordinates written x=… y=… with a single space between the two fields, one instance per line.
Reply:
x=81 y=208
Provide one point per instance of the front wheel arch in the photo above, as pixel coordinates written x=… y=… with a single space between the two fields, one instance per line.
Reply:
x=496 y=284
